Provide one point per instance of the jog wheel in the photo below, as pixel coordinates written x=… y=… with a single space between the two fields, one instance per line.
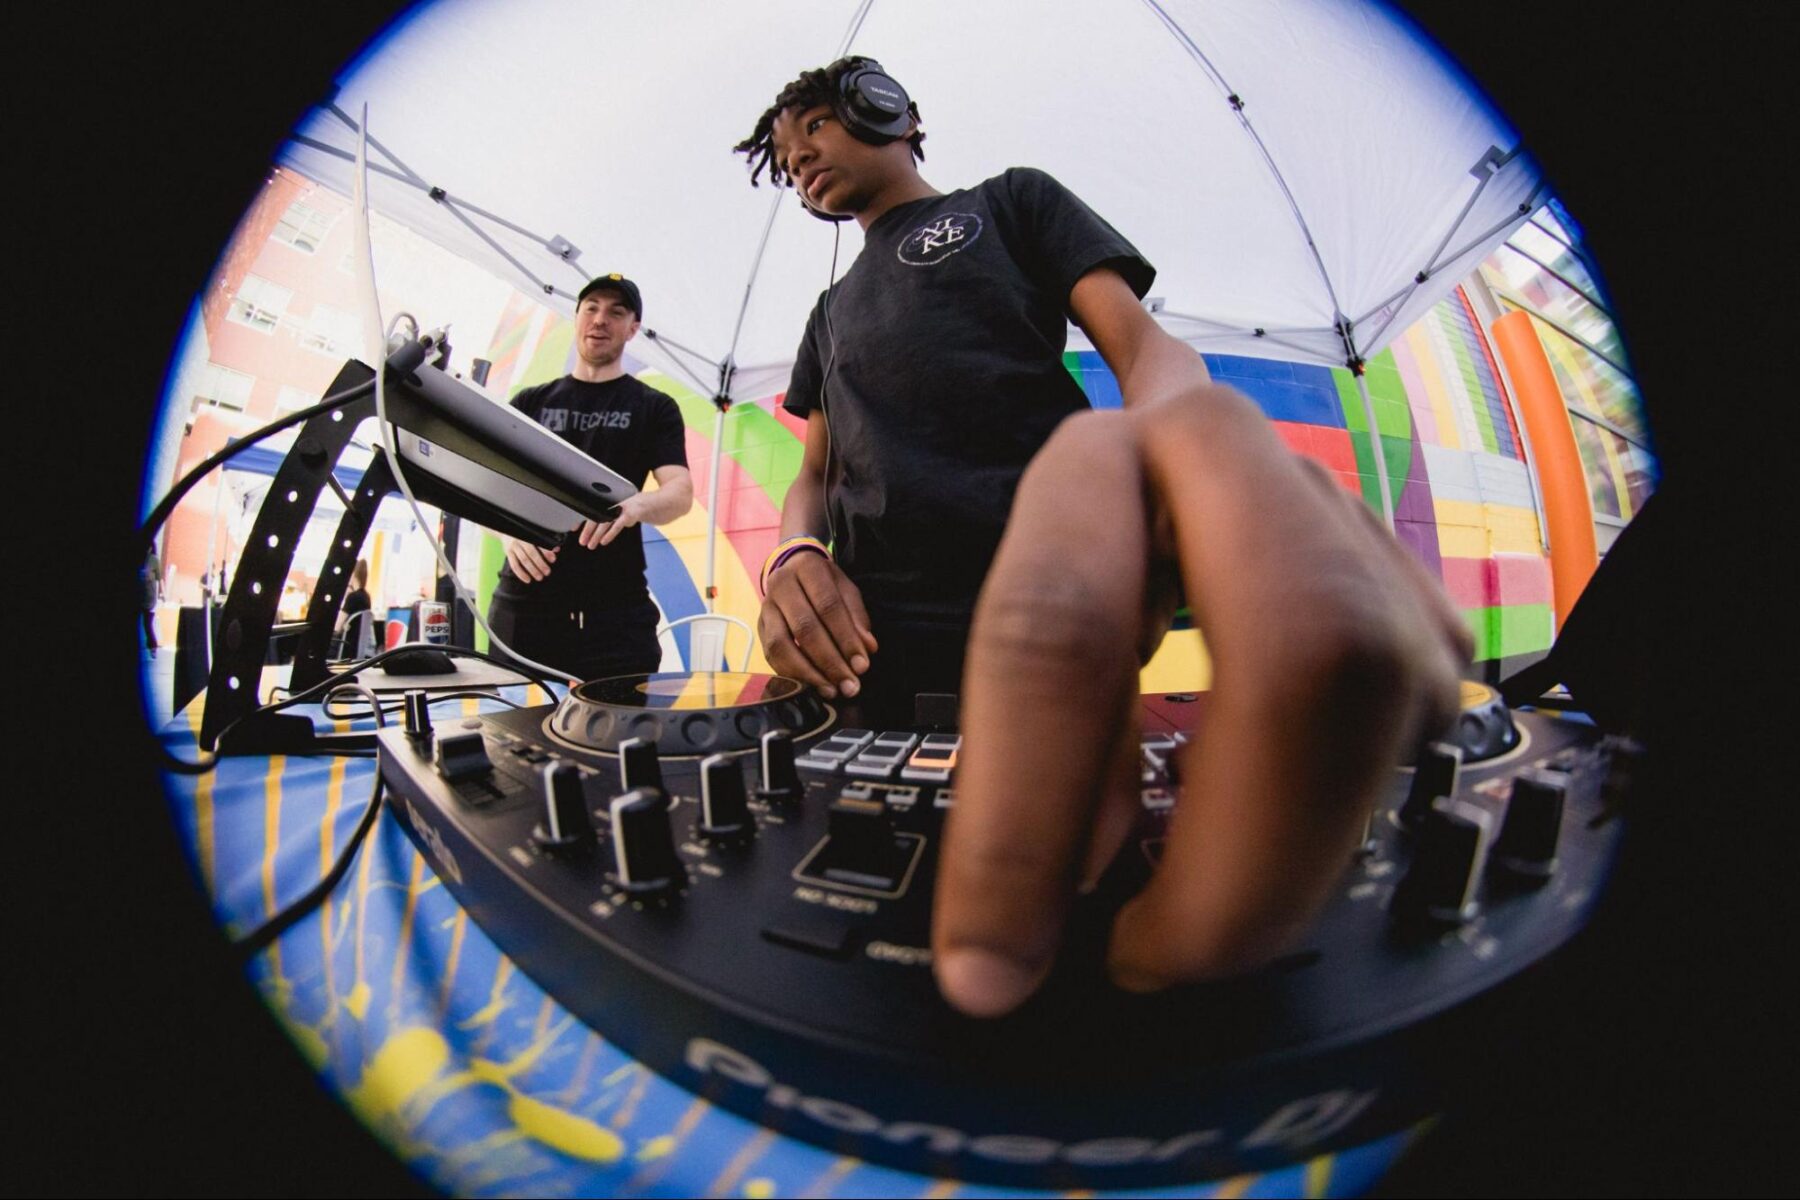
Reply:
x=706 y=712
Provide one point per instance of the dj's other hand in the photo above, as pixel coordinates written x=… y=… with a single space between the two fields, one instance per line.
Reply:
x=530 y=563
x=814 y=627
x=1333 y=652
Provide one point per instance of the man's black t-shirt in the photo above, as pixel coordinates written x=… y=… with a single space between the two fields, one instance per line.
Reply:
x=632 y=428
x=937 y=361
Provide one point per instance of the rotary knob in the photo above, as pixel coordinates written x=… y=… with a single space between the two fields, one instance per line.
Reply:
x=724 y=810
x=1434 y=775
x=1445 y=877
x=566 y=823
x=1527 y=842
x=639 y=765
x=643 y=847
x=780 y=778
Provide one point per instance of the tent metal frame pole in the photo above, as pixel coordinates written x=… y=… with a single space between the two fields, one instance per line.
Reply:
x=1377 y=449
x=712 y=511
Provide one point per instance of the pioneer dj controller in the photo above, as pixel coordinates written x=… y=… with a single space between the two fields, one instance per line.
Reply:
x=717 y=875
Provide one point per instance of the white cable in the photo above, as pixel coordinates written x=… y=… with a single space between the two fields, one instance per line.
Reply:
x=366 y=279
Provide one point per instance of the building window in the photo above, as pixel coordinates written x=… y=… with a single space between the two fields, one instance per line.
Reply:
x=222 y=387
x=259 y=303
x=330 y=331
x=303 y=227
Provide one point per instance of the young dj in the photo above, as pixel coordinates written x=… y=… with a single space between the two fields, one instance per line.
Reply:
x=931 y=377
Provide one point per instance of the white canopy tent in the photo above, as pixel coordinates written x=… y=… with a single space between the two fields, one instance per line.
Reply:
x=1308 y=176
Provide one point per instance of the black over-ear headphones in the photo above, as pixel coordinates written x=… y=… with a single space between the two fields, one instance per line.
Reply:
x=872 y=105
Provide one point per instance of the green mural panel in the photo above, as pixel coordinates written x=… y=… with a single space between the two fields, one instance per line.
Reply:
x=1387 y=395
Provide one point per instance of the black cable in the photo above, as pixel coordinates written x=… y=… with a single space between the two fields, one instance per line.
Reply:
x=257 y=940
x=432 y=698
x=180 y=766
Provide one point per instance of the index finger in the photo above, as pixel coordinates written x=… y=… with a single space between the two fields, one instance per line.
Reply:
x=1053 y=642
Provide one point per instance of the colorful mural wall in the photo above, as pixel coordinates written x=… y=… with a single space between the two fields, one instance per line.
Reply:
x=1462 y=496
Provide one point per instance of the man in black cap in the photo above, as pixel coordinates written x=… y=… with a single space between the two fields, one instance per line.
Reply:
x=583 y=607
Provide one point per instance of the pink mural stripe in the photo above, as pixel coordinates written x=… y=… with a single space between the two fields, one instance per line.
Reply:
x=1418 y=398
x=1471 y=582
x=795 y=425
x=1522 y=579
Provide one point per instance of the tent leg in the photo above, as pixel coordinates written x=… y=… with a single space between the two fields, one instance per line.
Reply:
x=1376 y=449
x=712 y=511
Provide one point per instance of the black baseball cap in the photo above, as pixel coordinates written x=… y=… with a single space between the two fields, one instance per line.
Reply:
x=628 y=291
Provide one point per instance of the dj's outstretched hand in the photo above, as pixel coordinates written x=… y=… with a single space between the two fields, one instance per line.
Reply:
x=814 y=627
x=1332 y=648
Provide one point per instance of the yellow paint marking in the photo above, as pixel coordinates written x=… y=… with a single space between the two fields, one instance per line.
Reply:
x=534 y=695
x=543 y=1017
x=206 y=835
x=628 y=1110
x=471 y=707
x=357 y=999
x=272 y=843
x=404 y=1066
x=1318 y=1175
x=590 y=1050
x=658 y=1152
x=563 y=1131
x=310 y=1042
x=496 y=999
x=404 y=938
x=941 y=1189
x=759 y=1189
x=656 y=1147
x=459 y=926
x=1236 y=1186
x=1180 y=664
x=334 y=798
x=827 y=1182
x=740 y=1162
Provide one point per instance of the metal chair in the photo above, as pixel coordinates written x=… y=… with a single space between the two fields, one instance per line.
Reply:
x=707 y=636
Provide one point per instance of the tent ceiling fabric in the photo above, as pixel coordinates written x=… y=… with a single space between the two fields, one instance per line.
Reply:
x=610 y=125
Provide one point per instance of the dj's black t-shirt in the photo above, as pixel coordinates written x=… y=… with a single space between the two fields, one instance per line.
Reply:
x=937 y=360
x=632 y=428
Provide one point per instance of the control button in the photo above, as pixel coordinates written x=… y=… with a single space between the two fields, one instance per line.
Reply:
x=934 y=758
x=945 y=798
x=836 y=752
x=859 y=736
x=533 y=754
x=639 y=766
x=643 y=848
x=876 y=769
x=724 y=811
x=826 y=766
x=1527 y=842
x=861 y=848
x=566 y=823
x=812 y=928
x=418 y=714
x=924 y=775
x=1434 y=775
x=1445 y=876
x=460 y=756
x=899 y=743
x=780 y=781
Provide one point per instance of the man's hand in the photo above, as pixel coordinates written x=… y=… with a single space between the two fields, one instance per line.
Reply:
x=1334 y=651
x=530 y=563
x=814 y=627
x=600 y=533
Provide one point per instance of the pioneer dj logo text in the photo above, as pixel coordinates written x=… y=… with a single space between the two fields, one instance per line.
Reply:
x=937 y=240
x=1291 y=1128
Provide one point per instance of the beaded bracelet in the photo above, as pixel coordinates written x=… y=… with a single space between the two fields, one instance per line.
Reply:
x=784 y=551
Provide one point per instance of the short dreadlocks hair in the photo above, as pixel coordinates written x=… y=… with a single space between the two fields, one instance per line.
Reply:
x=812 y=88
